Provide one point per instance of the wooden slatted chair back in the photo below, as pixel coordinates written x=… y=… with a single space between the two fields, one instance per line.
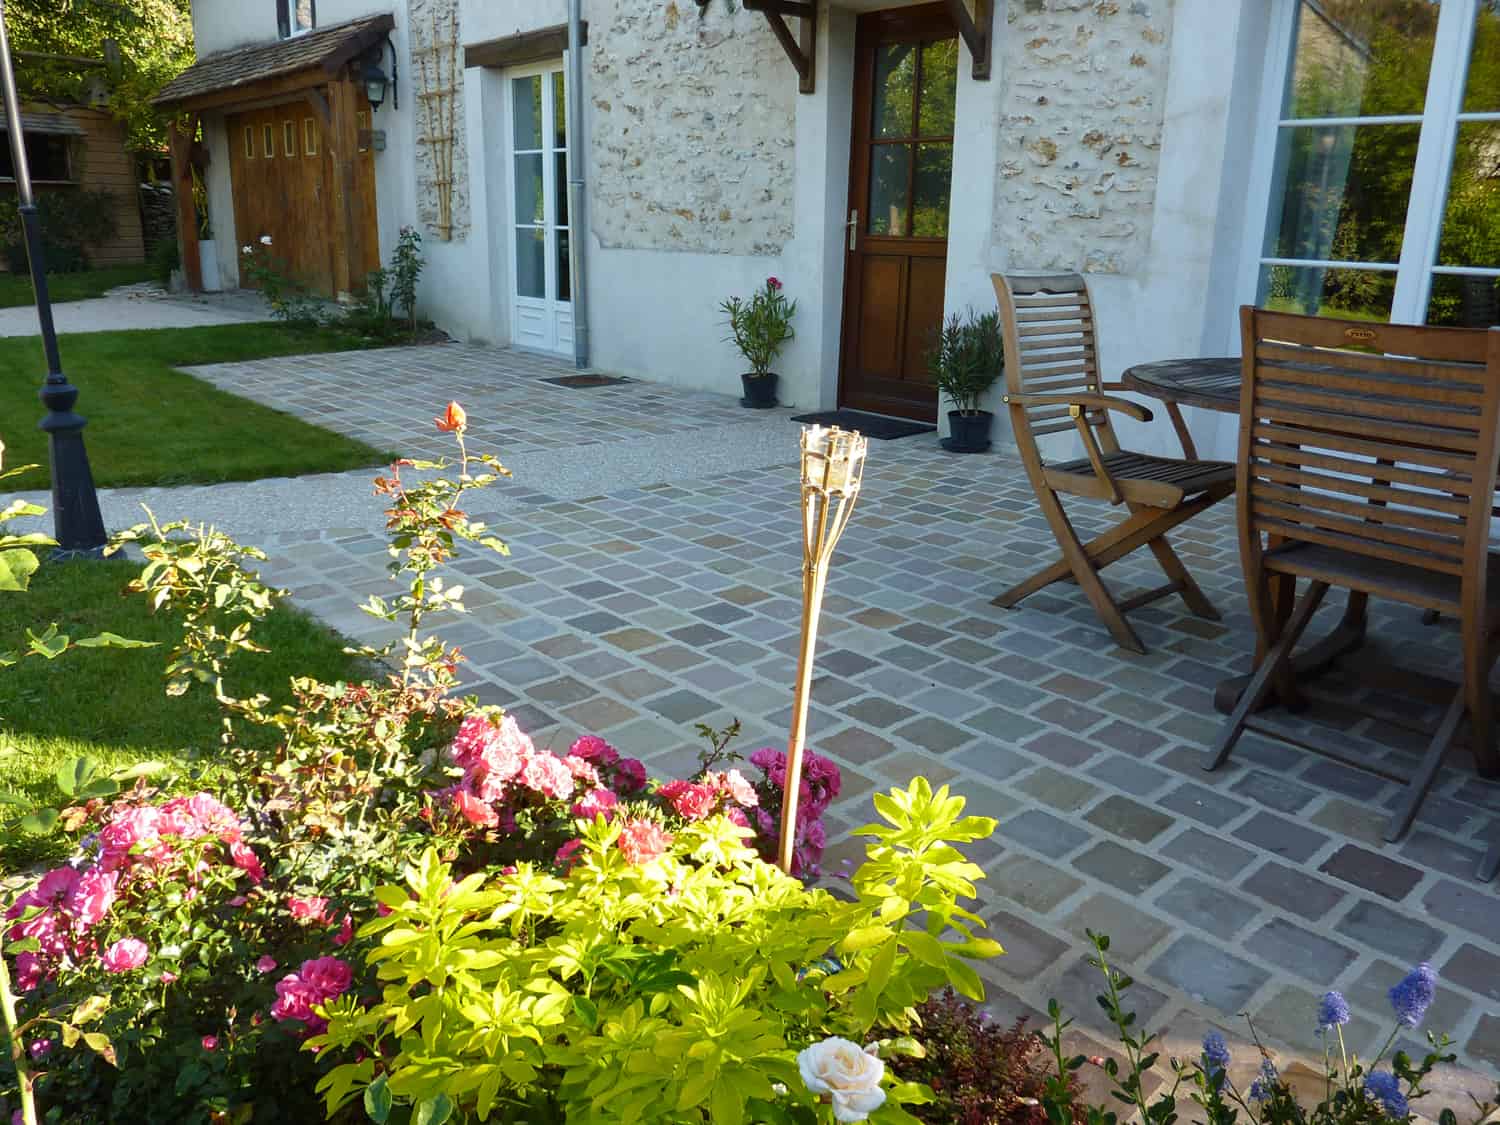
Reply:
x=1376 y=439
x=1048 y=325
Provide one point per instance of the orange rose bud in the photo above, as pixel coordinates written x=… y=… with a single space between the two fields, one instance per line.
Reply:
x=453 y=419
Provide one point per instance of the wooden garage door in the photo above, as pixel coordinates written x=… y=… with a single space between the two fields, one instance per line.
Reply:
x=281 y=169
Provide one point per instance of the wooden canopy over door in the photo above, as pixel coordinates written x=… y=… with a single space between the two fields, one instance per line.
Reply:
x=284 y=181
x=905 y=88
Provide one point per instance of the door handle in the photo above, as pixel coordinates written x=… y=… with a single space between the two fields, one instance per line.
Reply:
x=853 y=225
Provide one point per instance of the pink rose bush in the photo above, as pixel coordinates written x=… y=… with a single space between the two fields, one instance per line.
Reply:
x=317 y=982
x=820 y=786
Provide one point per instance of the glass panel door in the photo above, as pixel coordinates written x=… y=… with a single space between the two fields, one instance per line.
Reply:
x=539 y=184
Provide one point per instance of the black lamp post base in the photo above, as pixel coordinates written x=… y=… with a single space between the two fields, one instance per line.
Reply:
x=77 y=522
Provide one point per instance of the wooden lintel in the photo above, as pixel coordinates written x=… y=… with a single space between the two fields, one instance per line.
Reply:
x=802 y=49
x=978 y=31
x=517 y=50
x=316 y=99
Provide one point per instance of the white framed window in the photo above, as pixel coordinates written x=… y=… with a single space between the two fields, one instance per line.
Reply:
x=296 y=17
x=1378 y=162
x=541 y=284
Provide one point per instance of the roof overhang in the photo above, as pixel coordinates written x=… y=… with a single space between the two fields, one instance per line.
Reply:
x=525 y=47
x=267 y=70
x=54 y=123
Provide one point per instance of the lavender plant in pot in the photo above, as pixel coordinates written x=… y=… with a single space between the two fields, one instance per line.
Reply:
x=760 y=328
x=966 y=359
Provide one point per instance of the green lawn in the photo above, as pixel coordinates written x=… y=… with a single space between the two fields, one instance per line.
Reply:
x=109 y=703
x=15 y=289
x=151 y=424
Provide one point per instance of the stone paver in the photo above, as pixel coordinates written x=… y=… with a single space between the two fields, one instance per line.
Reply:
x=676 y=602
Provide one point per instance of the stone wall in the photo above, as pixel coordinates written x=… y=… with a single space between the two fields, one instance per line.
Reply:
x=442 y=145
x=693 y=117
x=1080 y=132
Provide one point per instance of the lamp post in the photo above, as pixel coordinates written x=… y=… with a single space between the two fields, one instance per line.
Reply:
x=78 y=525
x=833 y=462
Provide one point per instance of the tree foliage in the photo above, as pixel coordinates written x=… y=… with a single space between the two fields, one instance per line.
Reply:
x=155 y=39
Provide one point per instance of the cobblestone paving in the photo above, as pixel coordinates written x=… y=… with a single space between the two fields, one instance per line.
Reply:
x=639 y=612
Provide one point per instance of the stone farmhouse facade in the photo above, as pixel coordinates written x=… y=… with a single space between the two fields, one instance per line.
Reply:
x=880 y=158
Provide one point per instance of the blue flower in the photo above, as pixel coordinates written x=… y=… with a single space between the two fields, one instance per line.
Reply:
x=1413 y=996
x=1264 y=1086
x=1215 y=1053
x=1385 y=1088
x=1333 y=1011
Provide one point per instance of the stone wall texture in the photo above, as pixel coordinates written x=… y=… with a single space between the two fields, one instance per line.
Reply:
x=441 y=133
x=693 y=119
x=1081 y=128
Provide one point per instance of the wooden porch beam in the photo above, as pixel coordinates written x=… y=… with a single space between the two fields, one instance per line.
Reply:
x=348 y=251
x=180 y=145
x=802 y=50
x=978 y=31
x=319 y=103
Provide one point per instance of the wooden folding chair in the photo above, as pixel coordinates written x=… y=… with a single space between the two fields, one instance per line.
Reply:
x=1367 y=461
x=1052 y=385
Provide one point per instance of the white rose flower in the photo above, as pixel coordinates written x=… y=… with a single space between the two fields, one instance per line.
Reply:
x=246 y=250
x=849 y=1076
x=265 y=240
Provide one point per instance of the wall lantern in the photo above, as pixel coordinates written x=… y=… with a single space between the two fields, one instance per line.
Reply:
x=374 y=79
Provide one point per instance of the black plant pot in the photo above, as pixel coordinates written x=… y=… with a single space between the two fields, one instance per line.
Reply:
x=968 y=433
x=760 y=390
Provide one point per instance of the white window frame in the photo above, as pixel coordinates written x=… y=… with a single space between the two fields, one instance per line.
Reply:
x=556 y=314
x=1439 y=122
x=291 y=19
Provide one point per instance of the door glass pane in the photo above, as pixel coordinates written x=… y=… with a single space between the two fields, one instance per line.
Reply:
x=934 y=176
x=1352 y=294
x=1471 y=222
x=1464 y=302
x=1341 y=192
x=890 y=168
x=1482 y=89
x=531 y=262
x=559 y=111
x=1360 y=58
x=530 y=199
x=895 y=77
x=560 y=179
x=564 y=288
x=526 y=111
x=939 y=88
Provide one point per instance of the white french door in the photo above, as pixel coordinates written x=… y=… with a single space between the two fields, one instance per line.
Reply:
x=1379 y=161
x=541 y=287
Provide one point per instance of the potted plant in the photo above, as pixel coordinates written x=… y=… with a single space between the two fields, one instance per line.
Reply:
x=966 y=359
x=760 y=328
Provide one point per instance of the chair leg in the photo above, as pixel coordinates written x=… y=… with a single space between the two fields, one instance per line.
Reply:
x=1087 y=574
x=1479 y=655
x=1187 y=587
x=1427 y=770
x=1102 y=549
x=1270 y=667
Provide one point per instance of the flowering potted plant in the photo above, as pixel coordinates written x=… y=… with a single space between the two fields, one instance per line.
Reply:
x=760 y=328
x=967 y=357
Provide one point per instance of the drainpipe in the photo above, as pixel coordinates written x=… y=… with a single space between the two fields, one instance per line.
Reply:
x=577 y=207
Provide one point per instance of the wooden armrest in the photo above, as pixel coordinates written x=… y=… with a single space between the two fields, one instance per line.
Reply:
x=1085 y=399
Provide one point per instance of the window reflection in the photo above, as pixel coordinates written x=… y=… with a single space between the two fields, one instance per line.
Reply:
x=1464 y=302
x=1361 y=58
x=1320 y=290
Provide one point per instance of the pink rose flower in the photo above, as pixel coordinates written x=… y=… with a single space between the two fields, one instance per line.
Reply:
x=210 y=1042
x=244 y=857
x=773 y=284
x=643 y=840
x=596 y=802
x=265 y=964
x=474 y=735
x=125 y=955
x=327 y=976
x=592 y=748
x=546 y=774
x=564 y=857
x=737 y=816
x=346 y=931
x=630 y=775
x=473 y=810
x=31 y=970
x=92 y=895
x=582 y=770
x=168 y=978
x=40 y=1048
x=690 y=800
x=308 y=910
x=130 y=828
x=734 y=784
x=294 y=1001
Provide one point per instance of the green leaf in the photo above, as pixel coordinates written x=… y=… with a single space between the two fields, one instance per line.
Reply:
x=140 y=769
x=17 y=565
x=112 y=640
x=587 y=1011
x=433 y=1111
x=378 y=1100
x=40 y=822
x=74 y=775
x=90 y=1009
x=99 y=1043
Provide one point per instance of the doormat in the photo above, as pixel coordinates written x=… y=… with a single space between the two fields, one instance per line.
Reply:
x=579 y=382
x=871 y=425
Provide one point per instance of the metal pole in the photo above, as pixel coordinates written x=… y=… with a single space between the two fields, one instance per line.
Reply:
x=577 y=203
x=77 y=522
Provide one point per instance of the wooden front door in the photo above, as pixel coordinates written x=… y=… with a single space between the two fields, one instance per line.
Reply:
x=282 y=177
x=905 y=84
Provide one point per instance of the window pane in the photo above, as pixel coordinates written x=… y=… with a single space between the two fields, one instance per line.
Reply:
x=1464 y=302
x=531 y=262
x=306 y=15
x=560 y=166
x=559 y=111
x=526 y=111
x=939 y=88
x=1482 y=90
x=890 y=167
x=530 y=201
x=895 y=75
x=934 y=175
x=1352 y=294
x=564 y=288
x=1341 y=191
x=1360 y=58
x=1471 y=222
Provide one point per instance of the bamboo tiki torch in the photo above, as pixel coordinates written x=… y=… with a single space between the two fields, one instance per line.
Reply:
x=833 y=461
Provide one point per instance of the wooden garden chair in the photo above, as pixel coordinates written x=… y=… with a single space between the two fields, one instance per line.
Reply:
x=1367 y=461
x=1052 y=385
